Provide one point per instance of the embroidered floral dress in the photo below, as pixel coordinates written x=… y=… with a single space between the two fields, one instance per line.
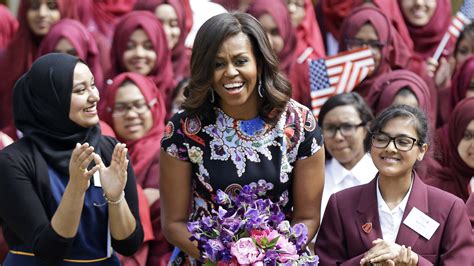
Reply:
x=229 y=153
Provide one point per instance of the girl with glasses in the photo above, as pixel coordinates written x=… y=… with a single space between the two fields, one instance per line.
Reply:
x=396 y=218
x=345 y=120
x=367 y=26
x=136 y=111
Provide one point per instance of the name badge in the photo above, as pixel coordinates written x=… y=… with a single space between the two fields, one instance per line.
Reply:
x=421 y=223
x=96 y=179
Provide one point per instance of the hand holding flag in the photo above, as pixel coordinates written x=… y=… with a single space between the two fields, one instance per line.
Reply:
x=463 y=17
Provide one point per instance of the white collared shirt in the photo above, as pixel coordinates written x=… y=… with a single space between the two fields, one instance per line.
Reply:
x=338 y=178
x=390 y=220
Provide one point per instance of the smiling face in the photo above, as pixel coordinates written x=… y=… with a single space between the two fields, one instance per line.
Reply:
x=169 y=19
x=273 y=33
x=41 y=15
x=140 y=56
x=418 y=12
x=391 y=162
x=131 y=125
x=347 y=150
x=84 y=98
x=235 y=77
x=65 y=47
x=466 y=145
x=368 y=34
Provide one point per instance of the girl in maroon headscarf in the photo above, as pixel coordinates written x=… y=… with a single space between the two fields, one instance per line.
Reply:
x=172 y=15
x=368 y=26
x=401 y=87
x=35 y=19
x=275 y=19
x=70 y=36
x=334 y=11
x=136 y=111
x=140 y=45
x=8 y=26
x=427 y=22
x=462 y=87
x=454 y=167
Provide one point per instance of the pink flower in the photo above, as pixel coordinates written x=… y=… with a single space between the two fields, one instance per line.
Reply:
x=258 y=235
x=273 y=234
x=287 y=250
x=246 y=252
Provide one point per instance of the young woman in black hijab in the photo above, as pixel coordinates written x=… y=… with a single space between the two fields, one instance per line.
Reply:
x=59 y=202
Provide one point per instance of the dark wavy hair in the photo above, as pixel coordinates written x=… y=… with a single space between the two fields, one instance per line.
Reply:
x=211 y=35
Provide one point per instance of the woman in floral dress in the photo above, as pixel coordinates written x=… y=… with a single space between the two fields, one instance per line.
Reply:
x=239 y=126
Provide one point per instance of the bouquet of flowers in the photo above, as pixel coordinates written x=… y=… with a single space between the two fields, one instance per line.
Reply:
x=249 y=229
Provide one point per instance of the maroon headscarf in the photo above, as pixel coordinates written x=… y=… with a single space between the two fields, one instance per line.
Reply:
x=8 y=26
x=144 y=150
x=279 y=12
x=386 y=87
x=17 y=57
x=334 y=12
x=451 y=173
x=461 y=81
x=179 y=55
x=426 y=38
x=144 y=153
x=162 y=72
x=106 y=13
x=394 y=53
x=308 y=34
x=81 y=40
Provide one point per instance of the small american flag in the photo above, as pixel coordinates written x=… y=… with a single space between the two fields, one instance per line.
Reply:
x=338 y=74
x=463 y=17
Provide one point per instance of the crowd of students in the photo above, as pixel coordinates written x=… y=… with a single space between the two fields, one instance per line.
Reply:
x=139 y=54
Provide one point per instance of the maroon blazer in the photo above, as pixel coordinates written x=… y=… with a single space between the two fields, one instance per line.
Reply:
x=470 y=211
x=343 y=241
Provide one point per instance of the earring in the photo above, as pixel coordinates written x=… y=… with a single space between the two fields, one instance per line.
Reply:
x=260 y=92
x=212 y=96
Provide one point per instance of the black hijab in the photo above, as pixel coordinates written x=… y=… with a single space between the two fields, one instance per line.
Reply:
x=41 y=103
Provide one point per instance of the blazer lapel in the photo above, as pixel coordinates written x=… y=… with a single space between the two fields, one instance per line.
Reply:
x=367 y=221
x=418 y=198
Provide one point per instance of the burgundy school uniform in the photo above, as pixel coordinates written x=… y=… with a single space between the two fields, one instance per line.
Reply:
x=351 y=223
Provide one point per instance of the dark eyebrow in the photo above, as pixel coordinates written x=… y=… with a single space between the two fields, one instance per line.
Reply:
x=234 y=56
x=400 y=135
x=77 y=84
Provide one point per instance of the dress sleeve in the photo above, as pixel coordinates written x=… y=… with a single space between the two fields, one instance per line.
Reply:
x=23 y=214
x=313 y=138
x=174 y=141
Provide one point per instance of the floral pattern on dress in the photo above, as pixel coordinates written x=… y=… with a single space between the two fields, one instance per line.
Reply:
x=227 y=143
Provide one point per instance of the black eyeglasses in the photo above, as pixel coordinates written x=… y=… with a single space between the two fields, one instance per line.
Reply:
x=138 y=106
x=402 y=143
x=346 y=129
x=355 y=43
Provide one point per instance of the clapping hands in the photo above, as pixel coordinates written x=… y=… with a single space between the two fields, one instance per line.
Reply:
x=113 y=178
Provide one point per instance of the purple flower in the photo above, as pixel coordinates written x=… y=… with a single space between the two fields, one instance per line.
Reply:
x=213 y=248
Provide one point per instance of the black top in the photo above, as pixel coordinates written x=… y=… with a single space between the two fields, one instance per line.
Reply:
x=26 y=199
